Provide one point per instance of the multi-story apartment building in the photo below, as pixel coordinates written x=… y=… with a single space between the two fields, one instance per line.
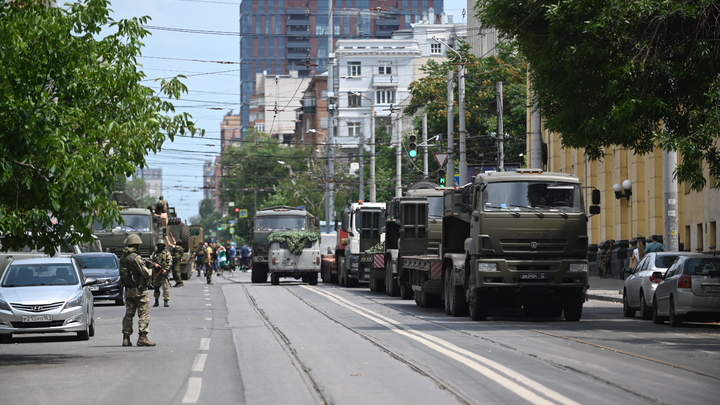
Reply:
x=153 y=182
x=283 y=35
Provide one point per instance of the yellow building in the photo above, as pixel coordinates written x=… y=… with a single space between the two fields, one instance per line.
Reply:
x=643 y=214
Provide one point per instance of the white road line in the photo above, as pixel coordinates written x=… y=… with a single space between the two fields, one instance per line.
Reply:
x=205 y=344
x=193 y=390
x=199 y=363
x=208 y=319
x=515 y=382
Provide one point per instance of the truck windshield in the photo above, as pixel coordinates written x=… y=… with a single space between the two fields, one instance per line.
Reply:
x=279 y=222
x=435 y=207
x=521 y=195
x=132 y=222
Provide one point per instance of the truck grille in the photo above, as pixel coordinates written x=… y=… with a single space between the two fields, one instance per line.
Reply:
x=526 y=245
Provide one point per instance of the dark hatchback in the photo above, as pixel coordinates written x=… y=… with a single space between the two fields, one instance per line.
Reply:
x=105 y=268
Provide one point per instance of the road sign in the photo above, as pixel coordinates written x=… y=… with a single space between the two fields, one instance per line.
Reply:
x=243 y=213
x=441 y=158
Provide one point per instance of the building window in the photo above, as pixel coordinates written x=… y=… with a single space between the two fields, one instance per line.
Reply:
x=260 y=127
x=384 y=96
x=385 y=68
x=354 y=69
x=436 y=49
x=354 y=100
x=353 y=129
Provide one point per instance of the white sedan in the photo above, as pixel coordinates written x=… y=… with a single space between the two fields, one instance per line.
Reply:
x=640 y=283
x=48 y=295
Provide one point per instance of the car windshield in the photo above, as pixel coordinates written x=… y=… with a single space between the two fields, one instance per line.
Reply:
x=100 y=262
x=664 y=261
x=39 y=275
x=131 y=222
x=535 y=195
x=435 y=207
x=280 y=222
x=703 y=267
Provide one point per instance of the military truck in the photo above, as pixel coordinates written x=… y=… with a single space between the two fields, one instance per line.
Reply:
x=146 y=224
x=510 y=240
x=286 y=243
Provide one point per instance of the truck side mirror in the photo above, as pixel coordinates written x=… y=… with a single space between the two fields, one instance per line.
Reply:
x=594 y=209
x=596 y=197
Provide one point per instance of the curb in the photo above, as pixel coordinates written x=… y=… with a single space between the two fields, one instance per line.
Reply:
x=598 y=297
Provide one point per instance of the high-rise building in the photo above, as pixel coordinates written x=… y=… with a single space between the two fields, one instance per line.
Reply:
x=283 y=35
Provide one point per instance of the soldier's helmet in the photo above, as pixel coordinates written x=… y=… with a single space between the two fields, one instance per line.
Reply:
x=161 y=197
x=133 y=240
x=160 y=242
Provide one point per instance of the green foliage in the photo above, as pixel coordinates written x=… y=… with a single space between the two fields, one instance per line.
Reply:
x=631 y=73
x=74 y=118
x=481 y=78
x=379 y=248
x=296 y=240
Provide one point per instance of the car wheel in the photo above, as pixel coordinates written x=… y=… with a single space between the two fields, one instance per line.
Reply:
x=85 y=334
x=91 y=329
x=655 y=316
x=627 y=311
x=675 y=320
x=645 y=309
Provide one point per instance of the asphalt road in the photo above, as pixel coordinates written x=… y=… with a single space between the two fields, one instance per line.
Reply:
x=241 y=343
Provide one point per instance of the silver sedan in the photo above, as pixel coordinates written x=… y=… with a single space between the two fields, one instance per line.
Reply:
x=640 y=283
x=48 y=295
x=690 y=291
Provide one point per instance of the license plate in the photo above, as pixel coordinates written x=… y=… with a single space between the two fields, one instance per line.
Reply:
x=37 y=318
x=712 y=288
x=533 y=276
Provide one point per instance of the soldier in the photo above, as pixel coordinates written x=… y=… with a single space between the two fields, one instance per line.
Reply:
x=136 y=277
x=164 y=259
x=177 y=254
x=161 y=207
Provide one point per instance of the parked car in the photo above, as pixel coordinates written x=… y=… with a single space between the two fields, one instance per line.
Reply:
x=690 y=291
x=105 y=268
x=640 y=283
x=47 y=295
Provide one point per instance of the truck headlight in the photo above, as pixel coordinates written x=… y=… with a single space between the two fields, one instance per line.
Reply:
x=483 y=266
x=578 y=267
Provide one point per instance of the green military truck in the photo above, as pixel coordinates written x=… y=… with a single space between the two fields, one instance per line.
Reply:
x=286 y=243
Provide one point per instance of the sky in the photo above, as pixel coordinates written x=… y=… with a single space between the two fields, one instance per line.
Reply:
x=210 y=62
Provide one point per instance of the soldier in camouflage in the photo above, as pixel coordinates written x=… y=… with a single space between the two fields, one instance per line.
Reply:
x=136 y=278
x=177 y=254
x=162 y=257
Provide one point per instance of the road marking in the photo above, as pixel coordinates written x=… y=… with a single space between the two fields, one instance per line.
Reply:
x=208 y=319
x=515 y=382
x=193 y=390
x=199 y=363
x=205 y=344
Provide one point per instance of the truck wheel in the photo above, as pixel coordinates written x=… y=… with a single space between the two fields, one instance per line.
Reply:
x=574 y=305
x=406 y=291
x=478 y=305
x=455 y=302
x=341 y=271
x=313 y=278
x=258 y=275
x=275 y=278
x=392 y=288
x=420 y=298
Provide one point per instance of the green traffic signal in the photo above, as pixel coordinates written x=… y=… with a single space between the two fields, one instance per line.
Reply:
x=442 y=180
x=412 y=145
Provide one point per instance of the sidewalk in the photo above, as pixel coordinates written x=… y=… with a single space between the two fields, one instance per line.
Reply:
x=605 y=289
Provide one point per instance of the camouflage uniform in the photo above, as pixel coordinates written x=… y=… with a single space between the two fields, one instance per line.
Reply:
x=177 y=255
x=136 y=298
x=162 y=257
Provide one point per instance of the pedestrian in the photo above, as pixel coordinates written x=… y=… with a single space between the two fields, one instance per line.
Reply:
x=221 y=258
x=177 y=254
x=209 y=263
x=605 y=260
x=200 y=254
x=232 y=253
x=244 y=257
x=655 y=245
x=135 y=276
x=162 y=257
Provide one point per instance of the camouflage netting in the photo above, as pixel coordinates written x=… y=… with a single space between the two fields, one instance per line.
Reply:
x=379 y=248
x=296 y=240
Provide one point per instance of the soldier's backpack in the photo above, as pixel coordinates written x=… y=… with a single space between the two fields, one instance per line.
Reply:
x=127 y=276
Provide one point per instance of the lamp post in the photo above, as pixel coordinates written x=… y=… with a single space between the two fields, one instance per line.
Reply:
x=626 y=186
x=373 y=189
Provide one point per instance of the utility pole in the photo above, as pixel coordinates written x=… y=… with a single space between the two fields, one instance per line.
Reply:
x=461 y=124
x=426 y=173
x=671 y=196
x=500 y=135
x=373 y=188
x=398 y=157
x=330 y=165
x=361 y=174
x=450 y=128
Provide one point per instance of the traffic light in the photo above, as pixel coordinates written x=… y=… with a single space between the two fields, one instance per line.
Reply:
x=442 y=181
x=412 y=145
x=237 y=212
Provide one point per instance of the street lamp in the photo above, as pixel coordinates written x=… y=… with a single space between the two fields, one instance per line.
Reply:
x=618 y=189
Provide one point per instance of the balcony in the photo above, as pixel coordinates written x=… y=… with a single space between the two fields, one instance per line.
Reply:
x=300 y=31
x=385 y=80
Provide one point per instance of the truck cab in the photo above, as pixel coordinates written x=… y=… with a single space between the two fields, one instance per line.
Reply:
x=364 y=224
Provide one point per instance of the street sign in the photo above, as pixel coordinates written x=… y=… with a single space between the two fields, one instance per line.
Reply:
x=243 y=213
x=441 y=158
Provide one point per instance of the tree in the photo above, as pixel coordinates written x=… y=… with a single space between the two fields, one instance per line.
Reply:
x=429 y=95
x=631 y=73
x=75 y=118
